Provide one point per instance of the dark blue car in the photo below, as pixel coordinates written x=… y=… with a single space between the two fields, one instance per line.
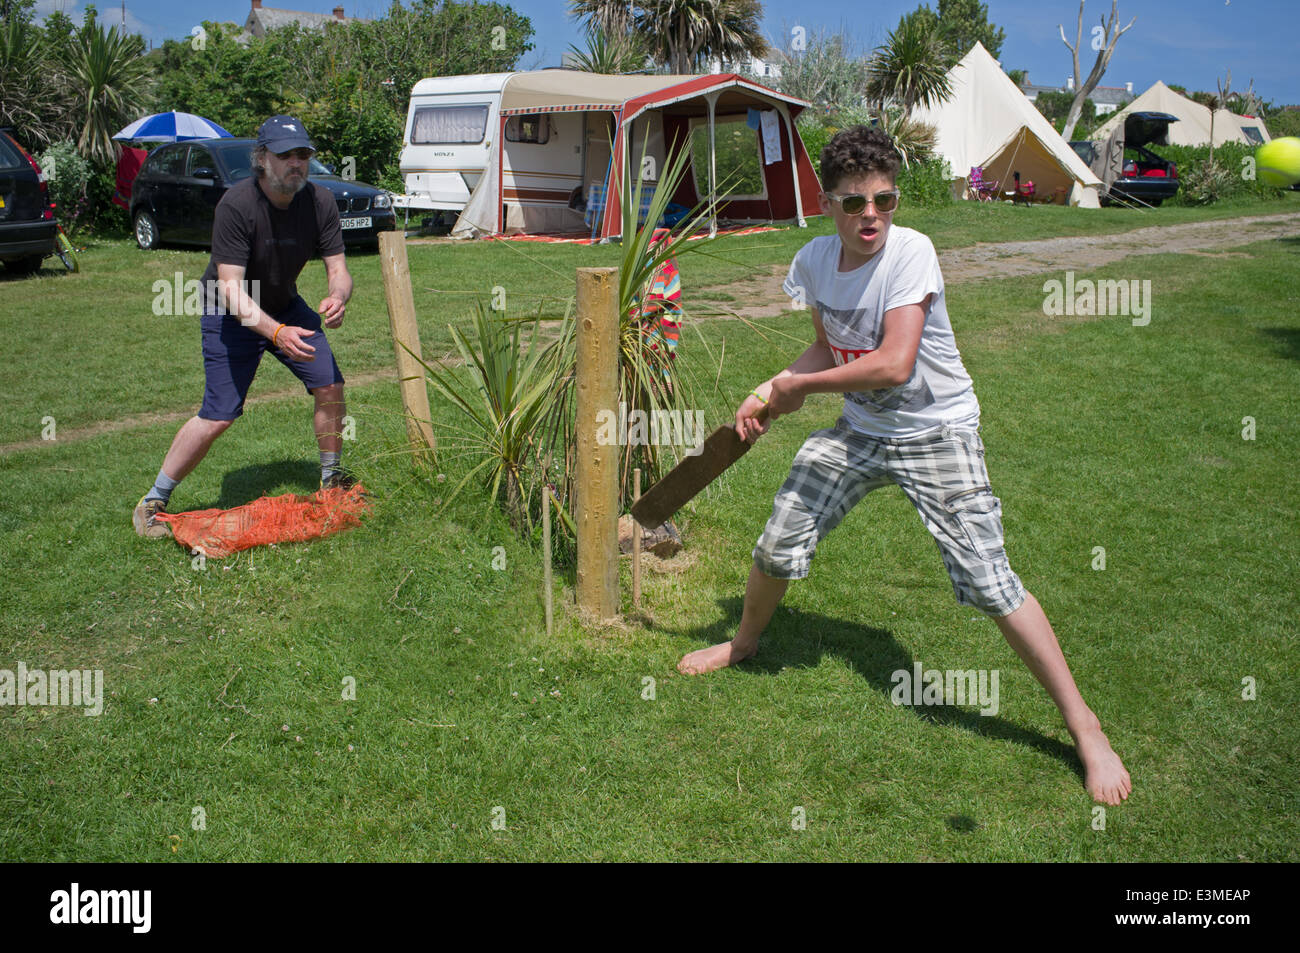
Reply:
x=176 y=193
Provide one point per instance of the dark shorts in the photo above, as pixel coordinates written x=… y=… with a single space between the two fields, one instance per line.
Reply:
x=231 y=353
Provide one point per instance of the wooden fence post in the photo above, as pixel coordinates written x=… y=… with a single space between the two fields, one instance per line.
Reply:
x=596 y=485
x=401 y=318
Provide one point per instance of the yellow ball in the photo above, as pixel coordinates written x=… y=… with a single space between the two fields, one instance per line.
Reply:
x=1277 y=163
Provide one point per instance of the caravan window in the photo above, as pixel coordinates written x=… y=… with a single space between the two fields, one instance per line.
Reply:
x=435 y=125
x=530 y=128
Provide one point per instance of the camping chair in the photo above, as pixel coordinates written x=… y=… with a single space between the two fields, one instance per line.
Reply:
x=1023 y=194
x=981 y=190
x=595 y=211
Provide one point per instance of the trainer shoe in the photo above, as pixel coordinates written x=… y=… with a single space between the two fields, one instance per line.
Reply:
x=144 y=519
x=339 y=480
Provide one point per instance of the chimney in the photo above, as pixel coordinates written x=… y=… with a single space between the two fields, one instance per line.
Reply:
x=338 y=13
x=1069 y=82
x=1129 y=87
x=257 y=4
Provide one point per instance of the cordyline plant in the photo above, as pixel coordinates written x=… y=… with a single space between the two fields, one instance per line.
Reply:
x=517 y=392
x=650 y=385
x=507 y=400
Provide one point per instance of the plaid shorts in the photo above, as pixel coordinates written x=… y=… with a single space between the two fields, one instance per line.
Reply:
x=944 y=476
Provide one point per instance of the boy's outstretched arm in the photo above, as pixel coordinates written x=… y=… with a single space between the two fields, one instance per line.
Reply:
x=816 y=357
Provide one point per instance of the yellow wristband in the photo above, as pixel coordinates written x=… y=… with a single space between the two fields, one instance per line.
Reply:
x=277 y=334
x=755 y=393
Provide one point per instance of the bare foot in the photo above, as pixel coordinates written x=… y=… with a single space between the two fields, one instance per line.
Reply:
x=712 y=658
x=1103 y=772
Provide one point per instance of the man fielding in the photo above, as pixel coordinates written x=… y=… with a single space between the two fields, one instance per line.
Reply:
x=265 y=230
x=910 y=418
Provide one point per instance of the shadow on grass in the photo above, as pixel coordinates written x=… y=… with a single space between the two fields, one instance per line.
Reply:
x=1287 y=340
x=246 y=484
x=799 y=639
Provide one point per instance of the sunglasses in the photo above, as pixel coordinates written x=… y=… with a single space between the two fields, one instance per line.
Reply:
x=855 y=204
x=295 y=153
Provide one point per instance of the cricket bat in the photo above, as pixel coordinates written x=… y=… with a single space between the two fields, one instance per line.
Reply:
x=721 y=449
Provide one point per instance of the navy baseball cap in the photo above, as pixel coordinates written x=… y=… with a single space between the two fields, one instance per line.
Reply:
x=283 y=133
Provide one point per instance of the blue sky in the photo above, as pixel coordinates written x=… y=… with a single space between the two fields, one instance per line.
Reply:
x=1188 y=42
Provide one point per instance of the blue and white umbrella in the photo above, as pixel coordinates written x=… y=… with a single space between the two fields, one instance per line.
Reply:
x=172 y=127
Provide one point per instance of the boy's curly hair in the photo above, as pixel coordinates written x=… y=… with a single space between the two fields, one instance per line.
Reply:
x=858 y=150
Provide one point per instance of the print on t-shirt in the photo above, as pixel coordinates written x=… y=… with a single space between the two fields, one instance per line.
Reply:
x=852 y=306
x=851 y=333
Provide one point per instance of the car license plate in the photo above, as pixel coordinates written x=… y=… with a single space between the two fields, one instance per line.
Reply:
x=355 y=222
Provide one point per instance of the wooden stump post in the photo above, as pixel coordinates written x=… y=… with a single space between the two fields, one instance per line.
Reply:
x=596 y=486
x=636 y=543
x=546 y=554
x=401 y=318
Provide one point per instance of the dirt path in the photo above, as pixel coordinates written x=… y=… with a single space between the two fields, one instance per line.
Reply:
x=761 y=296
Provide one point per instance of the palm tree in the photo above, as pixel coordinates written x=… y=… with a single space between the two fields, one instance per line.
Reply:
x=614 y=18
x=108 y=76
x=33 y=91
x=908 y=69
x=609 y=53
x=686 y=34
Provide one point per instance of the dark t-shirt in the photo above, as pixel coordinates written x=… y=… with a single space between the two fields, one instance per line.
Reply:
x=273 y=244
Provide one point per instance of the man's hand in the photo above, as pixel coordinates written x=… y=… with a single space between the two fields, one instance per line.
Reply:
x=331 y=309
x=787 y=396
x=291 y=341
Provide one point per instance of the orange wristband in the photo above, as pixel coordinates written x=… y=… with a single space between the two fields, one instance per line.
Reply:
x=276 y=335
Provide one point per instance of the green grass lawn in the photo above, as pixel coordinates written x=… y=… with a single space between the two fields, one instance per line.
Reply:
x=224 y=684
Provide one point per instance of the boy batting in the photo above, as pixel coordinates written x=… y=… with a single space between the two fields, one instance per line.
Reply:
x=884 y=340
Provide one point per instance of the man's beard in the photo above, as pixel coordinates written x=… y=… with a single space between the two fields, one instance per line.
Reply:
x=283 y=186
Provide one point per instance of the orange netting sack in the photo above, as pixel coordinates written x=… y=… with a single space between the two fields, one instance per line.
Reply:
x=291 y=518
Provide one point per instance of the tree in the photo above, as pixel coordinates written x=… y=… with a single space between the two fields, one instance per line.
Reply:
x=965 y=23
x=349 y=83
x=1104 y=39
x=609 y=53
x=34 y=94
x=960 y=25
x=235 y=85
x=108 y=75
x=680 y=34
x=1055 y=106
x=686 y=34
x=614 y=18
x=826 y=73
x=908 y=69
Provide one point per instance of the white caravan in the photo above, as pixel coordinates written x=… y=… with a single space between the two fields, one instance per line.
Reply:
x=449 y=128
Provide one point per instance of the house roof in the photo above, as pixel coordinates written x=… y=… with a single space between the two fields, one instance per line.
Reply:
x=273 y=18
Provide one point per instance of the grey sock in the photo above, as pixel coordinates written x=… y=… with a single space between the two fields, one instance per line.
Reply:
x=162 y=488
x=329 y=464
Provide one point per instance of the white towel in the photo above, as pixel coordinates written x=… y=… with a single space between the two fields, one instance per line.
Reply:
x=771 y=123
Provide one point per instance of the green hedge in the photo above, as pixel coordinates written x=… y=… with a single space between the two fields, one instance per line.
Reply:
x=1230 y=156
x=926 y=184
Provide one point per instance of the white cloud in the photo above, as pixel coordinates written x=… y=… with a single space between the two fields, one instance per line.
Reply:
x=110 y=14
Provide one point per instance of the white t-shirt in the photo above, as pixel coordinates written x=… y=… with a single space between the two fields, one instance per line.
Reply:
x=852 y=305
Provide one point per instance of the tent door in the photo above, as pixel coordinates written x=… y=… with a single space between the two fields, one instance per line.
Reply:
x=597 y=135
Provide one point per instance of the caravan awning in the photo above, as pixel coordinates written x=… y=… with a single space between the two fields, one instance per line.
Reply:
x=571 y=91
